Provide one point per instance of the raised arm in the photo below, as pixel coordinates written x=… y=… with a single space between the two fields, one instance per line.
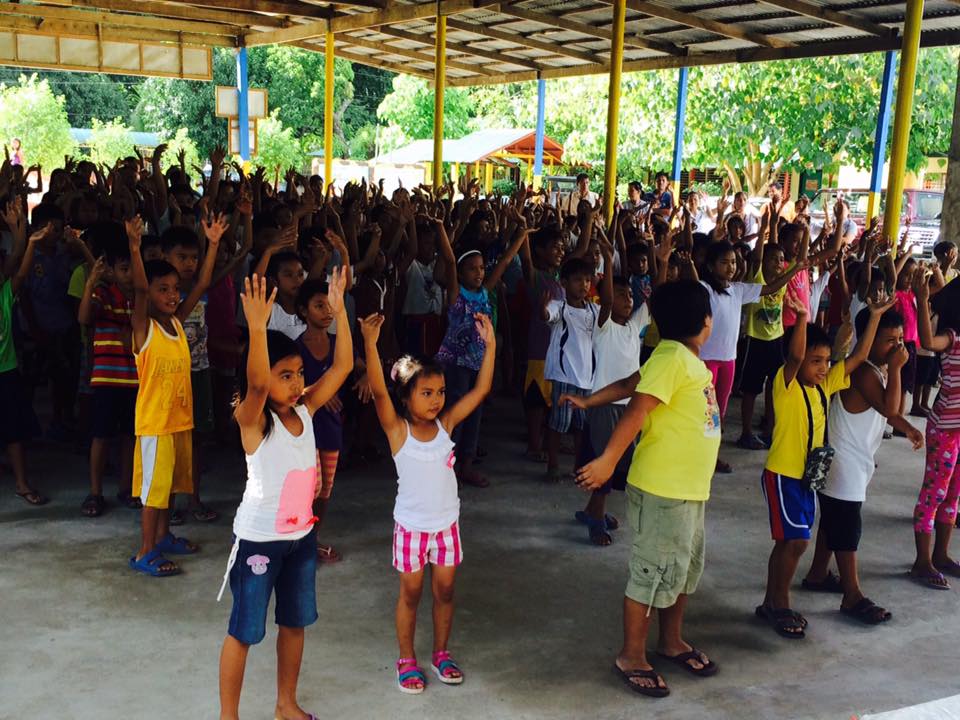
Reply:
x=798 y=340
x=85 y=311
x=606 y=285
x=471 y=401
x=257 y=305
x=928 y=341
x=139 y=320
x=771 y=287
x=392 y=425
x=16 y=282
x=493 y=279
x=213 y=230
x=159 y=181
x=449 y=264
x=862 y=350
x=317 y=395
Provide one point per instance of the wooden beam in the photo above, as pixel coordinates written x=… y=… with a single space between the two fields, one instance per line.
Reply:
x=406 y=13
x=702 y=23
x=370 y=60
x=563 y=23
x=428 y=39
x=855 y=46
x=274 y=7
x=523 y=40
x=170 y=10
x=118 y=19
x=384 y=48
x=56 y=27
x=843 y=19
x=292 y=34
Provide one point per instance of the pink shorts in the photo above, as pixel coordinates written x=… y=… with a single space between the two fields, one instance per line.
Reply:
x=413 y=549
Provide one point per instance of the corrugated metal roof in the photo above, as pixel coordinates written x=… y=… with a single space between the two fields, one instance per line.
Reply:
x=476 y=147
x=81 y=136
x=492 y=42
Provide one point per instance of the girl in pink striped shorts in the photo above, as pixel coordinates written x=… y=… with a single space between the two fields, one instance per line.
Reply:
x=427 y=509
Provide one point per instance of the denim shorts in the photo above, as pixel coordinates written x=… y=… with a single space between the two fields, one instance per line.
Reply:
x=287 y=567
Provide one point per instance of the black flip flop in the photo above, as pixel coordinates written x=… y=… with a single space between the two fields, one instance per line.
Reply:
x=655 y=692
x=92 y=506
x=683 y=660
x=32 y=497
x=782 y=619
x=868 y=612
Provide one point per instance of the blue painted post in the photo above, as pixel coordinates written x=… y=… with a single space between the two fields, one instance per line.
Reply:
x=678 y=131
x=243 y=109
x=541 y=123
x=880 y=139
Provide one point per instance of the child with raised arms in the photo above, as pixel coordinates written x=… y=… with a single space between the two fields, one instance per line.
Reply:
x=274 y=550
x=427 y=510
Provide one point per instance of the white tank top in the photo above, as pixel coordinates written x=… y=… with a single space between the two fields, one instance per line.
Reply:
x=856 y=438
x=281 y=481
x=427 y=499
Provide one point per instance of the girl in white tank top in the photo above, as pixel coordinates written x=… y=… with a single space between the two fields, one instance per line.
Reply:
x=274 y=551
x=427 y=509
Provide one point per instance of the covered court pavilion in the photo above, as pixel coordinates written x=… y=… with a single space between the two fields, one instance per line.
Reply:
x=539 y=609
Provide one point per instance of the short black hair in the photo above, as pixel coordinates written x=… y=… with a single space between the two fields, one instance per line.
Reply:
x=287 y=256
x=619 y=281
x=817 y=337
x=108 y=238
x=639 y=248
x=547 y=235
x=661 y=174
x=45 y=213
x=890 y=319
x=680 y=309
x=311 y=287
x=149 y=241
x=179 y=235
x=582 y=176
x=159 y=268
x=942 y=248
x=576 y=266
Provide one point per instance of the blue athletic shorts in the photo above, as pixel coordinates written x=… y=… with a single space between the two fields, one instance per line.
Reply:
x=288 y=568
x=792 y=506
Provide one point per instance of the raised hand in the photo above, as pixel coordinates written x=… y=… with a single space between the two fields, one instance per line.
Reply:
x=257 y=305
x=213 y=228
x=134 y=228
x=364 y=391
x=338 y=281
x=485 y=329
x=370 y=327
x=880 y=305
x=793 y=301
x=97 y=272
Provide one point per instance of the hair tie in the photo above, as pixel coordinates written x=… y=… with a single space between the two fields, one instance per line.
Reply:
x=467 y=254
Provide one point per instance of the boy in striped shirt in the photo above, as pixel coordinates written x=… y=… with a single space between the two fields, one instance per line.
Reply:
x=106 y=308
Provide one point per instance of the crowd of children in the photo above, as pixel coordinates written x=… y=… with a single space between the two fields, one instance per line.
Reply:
x=121 y=290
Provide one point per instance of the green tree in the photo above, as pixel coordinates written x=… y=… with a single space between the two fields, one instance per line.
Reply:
x=110 y=141
x=87 y=95
x=408 y=110
x=180 y=141
x=277 y=147
x=31 y=111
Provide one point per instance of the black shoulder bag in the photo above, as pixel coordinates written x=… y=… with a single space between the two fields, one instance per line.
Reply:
x=819 y=459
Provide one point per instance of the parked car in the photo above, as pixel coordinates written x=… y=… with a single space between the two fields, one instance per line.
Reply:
x=921 y=207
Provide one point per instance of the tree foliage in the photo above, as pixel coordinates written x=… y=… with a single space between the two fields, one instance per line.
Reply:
x=277 y=146
x=180 y=141
x=408 y=111
x=109 y=141
x=30 y=110
x=87 y=95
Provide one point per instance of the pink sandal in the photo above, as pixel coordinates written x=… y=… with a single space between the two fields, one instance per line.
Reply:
x=408 y=675
x=447 y=671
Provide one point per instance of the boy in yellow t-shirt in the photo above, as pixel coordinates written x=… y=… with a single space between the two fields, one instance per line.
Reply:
x=801 y=393
x=668 y=484
x=163 y=421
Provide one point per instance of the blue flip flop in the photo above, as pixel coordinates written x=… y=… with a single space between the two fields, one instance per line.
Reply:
x=609 y=521
x=175 y=545
x=150 y=564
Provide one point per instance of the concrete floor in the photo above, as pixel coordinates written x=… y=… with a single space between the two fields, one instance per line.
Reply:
x=537 y=626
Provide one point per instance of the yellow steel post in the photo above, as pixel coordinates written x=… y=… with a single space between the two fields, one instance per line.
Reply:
x=906 y=82
x=488 y=178
x=439 y=83
x=328 y=108
x=613 y=108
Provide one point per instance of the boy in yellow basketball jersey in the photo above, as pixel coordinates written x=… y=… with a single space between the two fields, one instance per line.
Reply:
x=164 y=412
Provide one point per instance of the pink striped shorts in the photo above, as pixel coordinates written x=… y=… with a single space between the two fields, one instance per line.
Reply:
x=413 y=549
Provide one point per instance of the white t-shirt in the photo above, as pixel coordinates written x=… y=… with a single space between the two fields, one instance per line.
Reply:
x=424 y=295
x=570 y=356
x=727 y=309
x=856 y=438
x=290 y=325
x=817 y=289
x=617 y=349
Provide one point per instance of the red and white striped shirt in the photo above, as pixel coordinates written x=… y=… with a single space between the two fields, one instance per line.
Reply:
x=946 y=409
